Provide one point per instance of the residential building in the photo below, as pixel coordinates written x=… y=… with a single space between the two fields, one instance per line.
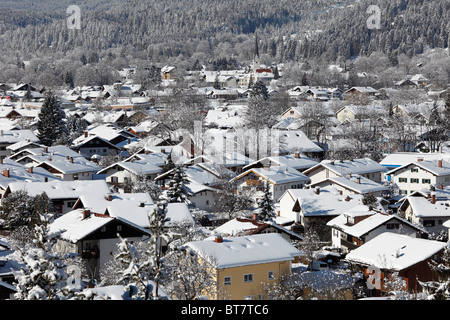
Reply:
x=363 y=223
x=278 y=178
x=421 y=174
x=364 y=167
x=241 y=265
x=94 y=236
x=430 y=210
x=313 y=208
x=390 y=253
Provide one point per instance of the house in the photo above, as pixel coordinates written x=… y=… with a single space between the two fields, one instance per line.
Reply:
x=62 y=194
x=94 y=236
x=354 y=184
x=364 y=167
x=430 y=211
x=278 y=178
x=167 y=72
x=391 y=252
x=93 y=146
x=296 y=161
x=12 y=171
x=398 y=159
x=133 y=207
x=59 y=160
x=363 y=223
x=292 y=112
x=238 y=227
x=121 y=173
x=203 y=181
x=8 y=138
x=313 y=208
x=241 y=264
x=421 y=174
x=358 y=112
x=112 y=133
x=358 y=92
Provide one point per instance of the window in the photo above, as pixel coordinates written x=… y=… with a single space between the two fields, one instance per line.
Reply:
x=227 y=281
x=271 y=275
x=428 y=223
x=426 y=181
x=402 y=179
x=403 y=191
x=70 y=204
x=414 y=169
x=414 y=180
x=248 y=277
x=392 y=226
x=119 y=228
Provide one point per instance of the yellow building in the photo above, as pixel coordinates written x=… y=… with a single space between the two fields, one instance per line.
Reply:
x=242 y=265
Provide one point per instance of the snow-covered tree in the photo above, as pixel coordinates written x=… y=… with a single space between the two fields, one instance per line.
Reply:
x=188 y=276
x=266 y=210
x=134 y=272
x=50 y=125
x=157 y=219
x=178 y=190
x=43 y=275
x=439 y=289
x=169 y=164
x=21 y=209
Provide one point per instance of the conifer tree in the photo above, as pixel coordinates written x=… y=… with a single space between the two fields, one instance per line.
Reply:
x=43 y=276
x=178 y=190
x=50 y=125
x=265 y=205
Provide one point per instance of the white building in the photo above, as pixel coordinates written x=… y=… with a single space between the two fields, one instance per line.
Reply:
x=420 y=175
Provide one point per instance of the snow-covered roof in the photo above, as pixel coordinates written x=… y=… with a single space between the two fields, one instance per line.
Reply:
x=277 y=174
x=58 y=189
x=328 y=202
x=435 y=167
x=76 y=227
x=354 y=183
x=344 y=167
x=14 y=136
x=245 y=250
x=399 y=159
x=394 y=251
x=423 y=207
x=300 y=163
x=373 y=220
x=16 y=172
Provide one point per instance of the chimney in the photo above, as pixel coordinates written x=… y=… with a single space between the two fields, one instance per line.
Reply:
x=30 y=169
x=433 y=198
x=109 y=197
x=341 y=192
x=358 y=180
x=45 y=149
x=6 y=173
x=440 y=163
x=1 y=160
x=255 y=216
x=141 y=204
x=347 y=198
x=86 y=213
x=297 y=155
x=441 y=186
x=218 y=239
x=419 y=159
x=86 y=134
x=317 y=190
x=71 y=159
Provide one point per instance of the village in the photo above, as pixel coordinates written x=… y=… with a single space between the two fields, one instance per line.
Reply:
x=310 y=198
